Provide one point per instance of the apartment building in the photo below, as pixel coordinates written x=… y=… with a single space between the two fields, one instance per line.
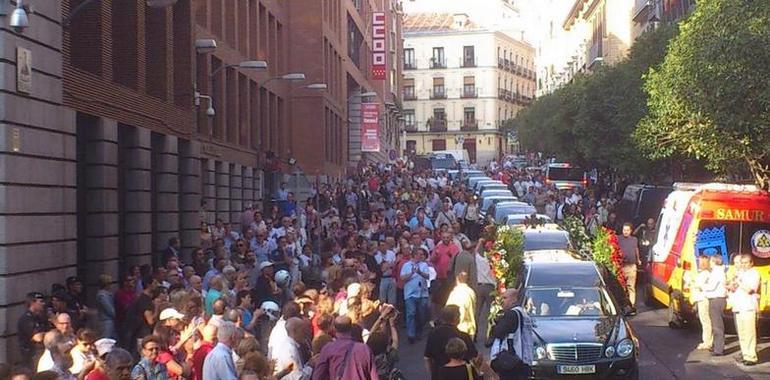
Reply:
x=461 y=81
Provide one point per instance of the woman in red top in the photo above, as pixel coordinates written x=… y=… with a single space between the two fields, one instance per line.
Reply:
x=402 y=257
x=115 y=365
x=124 y=297
x=175 y=362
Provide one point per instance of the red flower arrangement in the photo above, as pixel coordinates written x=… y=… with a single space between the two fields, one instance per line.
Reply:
x=606 y=252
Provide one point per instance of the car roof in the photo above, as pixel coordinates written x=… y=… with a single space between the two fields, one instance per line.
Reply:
x=544 y=232
x=493 y=192
x=548 y=274
x=545 y=239
x=511 y=204
x=516 y=216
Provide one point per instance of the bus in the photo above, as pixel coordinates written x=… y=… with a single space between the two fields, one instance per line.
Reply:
x=565 y=176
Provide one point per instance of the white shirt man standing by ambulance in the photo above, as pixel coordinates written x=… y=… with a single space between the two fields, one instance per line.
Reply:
x=744 y=298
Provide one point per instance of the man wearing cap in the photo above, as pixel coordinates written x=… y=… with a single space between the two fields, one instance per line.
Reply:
x=265 y=289
x=31 y=328
x=76 y=301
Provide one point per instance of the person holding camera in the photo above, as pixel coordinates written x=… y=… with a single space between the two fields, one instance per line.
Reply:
x=512 y=340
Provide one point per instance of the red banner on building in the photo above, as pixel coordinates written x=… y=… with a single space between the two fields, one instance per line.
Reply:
x=379 y=50
x=370 y=127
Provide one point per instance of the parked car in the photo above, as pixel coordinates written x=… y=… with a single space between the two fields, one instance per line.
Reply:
x=491 y=185
x=499 y=211
x=495 y=192
x=473 y=180
x=482 y=182
x=488 y=202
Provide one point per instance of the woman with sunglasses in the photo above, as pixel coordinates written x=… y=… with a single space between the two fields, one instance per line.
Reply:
x=148 y=367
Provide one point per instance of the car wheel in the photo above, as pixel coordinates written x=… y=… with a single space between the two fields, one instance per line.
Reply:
x=674 y=317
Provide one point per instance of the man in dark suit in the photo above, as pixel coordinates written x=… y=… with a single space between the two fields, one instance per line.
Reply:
x=172 y=251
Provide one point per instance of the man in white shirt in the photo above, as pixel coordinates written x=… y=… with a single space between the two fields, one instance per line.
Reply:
x=442 y=181
x=386 y=259
x=279 y=232
x=715 y=290
x=486 y=281
x=459 y=208
x=287 y=352
x=744 y=299
x=698 y=297
x=282 y=193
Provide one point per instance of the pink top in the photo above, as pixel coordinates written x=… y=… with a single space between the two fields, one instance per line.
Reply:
x=442 y=258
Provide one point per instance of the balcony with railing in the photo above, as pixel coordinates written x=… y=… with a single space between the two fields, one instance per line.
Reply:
x=410 y=95
x=410 y=65
x=595 y=53
x=642 y=10
x=470 y=125
x=437 y=125
x=500 y=63
x=469 y=92
x=410 y=128
x=509 y=65
x=468 y=62
x=438 y=94
x=438 y=63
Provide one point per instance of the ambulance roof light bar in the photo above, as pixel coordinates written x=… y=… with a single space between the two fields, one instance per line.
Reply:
x=715 y=187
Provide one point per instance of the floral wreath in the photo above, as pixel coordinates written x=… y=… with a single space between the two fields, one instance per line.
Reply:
x=505 y=252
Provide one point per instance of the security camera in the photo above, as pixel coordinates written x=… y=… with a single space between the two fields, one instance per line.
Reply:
x=210 y=112
x=19 y=20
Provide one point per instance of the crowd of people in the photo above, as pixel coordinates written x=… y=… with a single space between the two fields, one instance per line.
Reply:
x=319 y=290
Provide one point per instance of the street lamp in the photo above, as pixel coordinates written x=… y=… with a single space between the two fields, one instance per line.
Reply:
x=289 y=77
x=206 y=45
x=316 y=86
x=243 y=65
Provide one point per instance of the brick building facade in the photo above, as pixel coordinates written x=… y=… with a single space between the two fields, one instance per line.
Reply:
x=331 y=42
x=108 y=155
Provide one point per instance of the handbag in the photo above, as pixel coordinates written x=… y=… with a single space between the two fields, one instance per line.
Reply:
x=508 y=361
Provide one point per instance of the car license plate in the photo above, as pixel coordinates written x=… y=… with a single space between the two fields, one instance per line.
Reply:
x=576 y=369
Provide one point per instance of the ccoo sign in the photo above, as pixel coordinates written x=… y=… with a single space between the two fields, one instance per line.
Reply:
x=379 y=51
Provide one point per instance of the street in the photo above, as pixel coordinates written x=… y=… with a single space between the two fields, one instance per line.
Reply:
x=666 y=354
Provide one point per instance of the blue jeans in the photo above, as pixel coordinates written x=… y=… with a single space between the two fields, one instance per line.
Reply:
x=416 y=314
x=388 y=290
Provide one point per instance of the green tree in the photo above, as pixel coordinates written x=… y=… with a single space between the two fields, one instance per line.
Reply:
x=590 y=120
x=710 y=99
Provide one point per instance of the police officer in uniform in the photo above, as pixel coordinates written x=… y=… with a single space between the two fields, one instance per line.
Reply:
x=31 y=327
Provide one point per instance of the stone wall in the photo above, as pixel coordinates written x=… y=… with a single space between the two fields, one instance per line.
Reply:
x=37 y=171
